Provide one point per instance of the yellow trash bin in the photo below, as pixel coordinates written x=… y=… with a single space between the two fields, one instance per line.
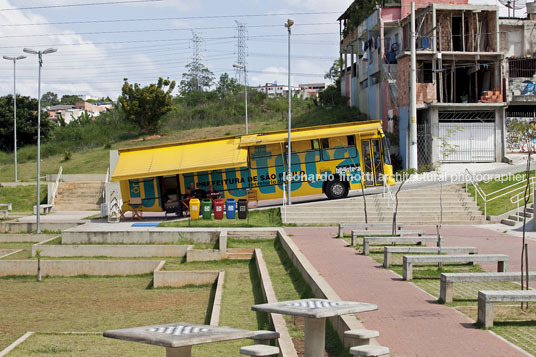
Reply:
x=194 y=208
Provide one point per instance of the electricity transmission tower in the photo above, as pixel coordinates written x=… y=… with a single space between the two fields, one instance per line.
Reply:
x=242 y=48
x=197 y=44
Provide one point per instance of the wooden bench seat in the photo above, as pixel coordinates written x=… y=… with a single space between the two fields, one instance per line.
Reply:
x=409 y=260
x=446 y=290
x=367 y=241
x=486 y=298
x=388 y=252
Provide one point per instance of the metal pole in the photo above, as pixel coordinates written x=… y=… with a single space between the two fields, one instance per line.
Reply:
x=413 y=97
x=289 y=125
x=246 y=95
x=38 y=229
x=15 y=117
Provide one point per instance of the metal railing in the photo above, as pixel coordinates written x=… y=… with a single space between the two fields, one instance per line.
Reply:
x=514 y=190
x=521 y=195
x=56 y=186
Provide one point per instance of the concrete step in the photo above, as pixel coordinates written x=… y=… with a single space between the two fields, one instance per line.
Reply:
x=328 y=215
x=76 y=207
x=239 y=253
x=508 y=222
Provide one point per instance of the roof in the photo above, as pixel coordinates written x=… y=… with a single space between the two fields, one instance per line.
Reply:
x=171 y=160
x=61 y=107
x=309 y=133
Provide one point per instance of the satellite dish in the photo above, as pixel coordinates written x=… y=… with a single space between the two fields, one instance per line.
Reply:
x=514 y=4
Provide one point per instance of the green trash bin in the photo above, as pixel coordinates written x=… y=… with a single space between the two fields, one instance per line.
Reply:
x=206 y=208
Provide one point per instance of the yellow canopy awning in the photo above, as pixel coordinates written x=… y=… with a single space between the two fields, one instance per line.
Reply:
x=172 y=160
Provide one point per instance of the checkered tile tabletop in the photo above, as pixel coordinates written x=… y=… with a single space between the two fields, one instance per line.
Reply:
x=178 y=334
x=315 y=308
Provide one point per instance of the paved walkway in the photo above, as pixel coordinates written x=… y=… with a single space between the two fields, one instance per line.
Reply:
x=411 y=322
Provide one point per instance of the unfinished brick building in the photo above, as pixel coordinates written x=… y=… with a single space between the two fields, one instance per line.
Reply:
x=459 y=84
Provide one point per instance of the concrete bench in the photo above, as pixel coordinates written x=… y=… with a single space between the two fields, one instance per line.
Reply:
x=44 y=209
x=486 y=298
x=6 y=206
x=448 y=280
x=365 y=226
x=409 y=260
x=367 y=241
x=259 y=350
x=369 y=350
x=263 y=337
x=4 y=210
x=360 y=337
x=388 y=252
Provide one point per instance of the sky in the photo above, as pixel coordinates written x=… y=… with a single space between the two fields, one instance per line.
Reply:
x=100 y=45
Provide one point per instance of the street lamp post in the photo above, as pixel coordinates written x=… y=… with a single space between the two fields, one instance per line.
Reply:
x=40 y=64
x=243 y=67
x=288 y=25
x=15 y=59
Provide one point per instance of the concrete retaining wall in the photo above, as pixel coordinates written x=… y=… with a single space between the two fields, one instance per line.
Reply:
x=126 y=251
x=25 y=238
x=252 y=234
x=285 y=341
x=177 y=279
x=22 y=227
x=78 y=267
x=216 y=306
x=74 y=236
x=203 y=255
x=321 y=289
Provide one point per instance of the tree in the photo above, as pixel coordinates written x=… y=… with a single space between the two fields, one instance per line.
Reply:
x=70 y=99
x=49 y=99
x=227 y=85
x=146 y=106
x=197 y=78
x=26 y=122
x=334 y=73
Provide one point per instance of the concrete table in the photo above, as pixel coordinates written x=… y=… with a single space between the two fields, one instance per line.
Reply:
x=315 y=312
x=178 y=338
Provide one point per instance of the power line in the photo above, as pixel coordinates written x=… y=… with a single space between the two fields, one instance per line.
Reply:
x=156 y=30
x=169 y=18
x=78 y=5
x=161 y=40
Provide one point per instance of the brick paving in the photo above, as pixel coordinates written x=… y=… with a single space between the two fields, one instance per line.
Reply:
x=411 y=322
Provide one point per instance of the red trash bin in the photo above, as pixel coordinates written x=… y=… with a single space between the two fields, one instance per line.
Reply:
x=219 y=207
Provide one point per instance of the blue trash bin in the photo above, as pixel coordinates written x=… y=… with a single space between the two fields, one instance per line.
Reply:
x=230 y=208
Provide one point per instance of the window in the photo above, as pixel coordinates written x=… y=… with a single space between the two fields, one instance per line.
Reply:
x=425 y=73
x=325 y=144
x=351 y=140
x=315 y=145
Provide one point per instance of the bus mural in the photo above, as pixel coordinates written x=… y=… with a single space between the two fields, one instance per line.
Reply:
x=329 y=159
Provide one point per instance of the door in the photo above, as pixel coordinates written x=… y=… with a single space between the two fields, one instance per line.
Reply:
x=467 y=142
x=372 y=160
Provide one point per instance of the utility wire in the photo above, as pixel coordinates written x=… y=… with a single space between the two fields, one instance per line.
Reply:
x=156 y=30
x=167 y=18
x=78 y=5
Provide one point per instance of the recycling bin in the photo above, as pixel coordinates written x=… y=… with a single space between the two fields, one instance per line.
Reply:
x=206 y=207
x=219 y=206
x=230 y=208
x=242 y=208
x=194 y=208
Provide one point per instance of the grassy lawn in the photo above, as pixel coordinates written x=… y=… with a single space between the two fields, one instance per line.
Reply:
x=22 y=198
x=88 y=304
x=256 y=218
x=92 y=305
x=500 y=205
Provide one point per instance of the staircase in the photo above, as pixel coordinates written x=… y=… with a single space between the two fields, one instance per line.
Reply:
x=416 y=206
x=79 y=196
x=517 y=217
